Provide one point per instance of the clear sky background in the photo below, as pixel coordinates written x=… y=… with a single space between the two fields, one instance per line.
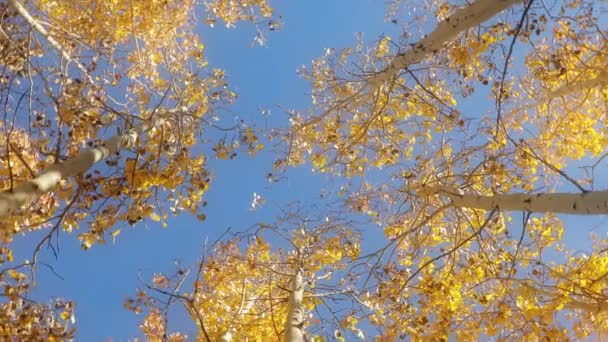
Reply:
x=99 y=279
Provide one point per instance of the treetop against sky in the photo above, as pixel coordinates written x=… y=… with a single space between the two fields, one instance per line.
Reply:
x=344 y=170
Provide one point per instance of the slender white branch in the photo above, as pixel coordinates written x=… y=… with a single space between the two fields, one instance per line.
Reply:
x=585 y=203
x=445 y=32
x=569 y=89
x=601 y=79
x=50 y=178
x=11 y=200
x=228 y=335
x=294 y=331
x=43 y=32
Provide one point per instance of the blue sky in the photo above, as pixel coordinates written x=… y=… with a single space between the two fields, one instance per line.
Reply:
x=99 y=279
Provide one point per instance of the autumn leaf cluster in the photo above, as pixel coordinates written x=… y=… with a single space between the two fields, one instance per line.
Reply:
x=480 y=100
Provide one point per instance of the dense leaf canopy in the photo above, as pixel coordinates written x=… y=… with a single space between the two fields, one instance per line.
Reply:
x=458 y=142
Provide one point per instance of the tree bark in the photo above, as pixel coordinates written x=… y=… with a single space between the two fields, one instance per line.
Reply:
x=446 y=31
x=50 y=178
x=294 y=331
x=585 y=203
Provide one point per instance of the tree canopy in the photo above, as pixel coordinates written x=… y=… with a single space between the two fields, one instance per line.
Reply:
x=454 y=147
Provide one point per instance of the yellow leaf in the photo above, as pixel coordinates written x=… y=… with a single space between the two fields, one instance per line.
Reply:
x=383 y=47
x=115 y=234
x=318 y=161
x=155 y=217
x=16 y=275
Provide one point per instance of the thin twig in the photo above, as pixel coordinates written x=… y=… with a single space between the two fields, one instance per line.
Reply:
x=460 y=244
x=506 y=66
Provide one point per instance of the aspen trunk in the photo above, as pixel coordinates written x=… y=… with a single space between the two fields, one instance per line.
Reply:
x=50 y=178
x=295 y=314
x=445 y=32
x=586 y=203
x=22 y=194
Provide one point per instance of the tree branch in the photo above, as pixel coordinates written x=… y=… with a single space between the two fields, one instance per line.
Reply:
x=43 y=32
x=585 y=203
x=446 y=31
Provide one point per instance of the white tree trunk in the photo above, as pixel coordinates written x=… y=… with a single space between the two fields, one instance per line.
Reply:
x=49 y=178
x=11 y=200
x=294 y=331
x=586 y=203
x=577 y=86
x=445 y=32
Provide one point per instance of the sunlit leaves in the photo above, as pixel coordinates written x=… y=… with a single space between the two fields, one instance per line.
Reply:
x=242 y=286
x=505 y=107
x=76 y=73
x=231 y=12
x=25 y=319
x=143 y=68
x=383 y=47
